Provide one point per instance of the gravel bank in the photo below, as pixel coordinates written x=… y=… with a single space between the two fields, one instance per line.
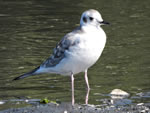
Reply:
x=67 y=108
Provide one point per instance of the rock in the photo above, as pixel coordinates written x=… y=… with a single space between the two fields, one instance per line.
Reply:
x=2 y=102
x=118 y=94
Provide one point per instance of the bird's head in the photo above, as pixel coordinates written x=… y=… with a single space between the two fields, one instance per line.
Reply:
x=92 y=17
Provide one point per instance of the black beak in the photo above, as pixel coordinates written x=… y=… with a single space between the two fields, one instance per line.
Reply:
x=104 y=23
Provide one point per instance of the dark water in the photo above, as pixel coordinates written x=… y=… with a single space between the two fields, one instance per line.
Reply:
x=30 y=29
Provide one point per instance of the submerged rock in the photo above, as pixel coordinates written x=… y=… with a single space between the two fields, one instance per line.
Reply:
x=2 y=102
x=118 y=94
x=118 y=98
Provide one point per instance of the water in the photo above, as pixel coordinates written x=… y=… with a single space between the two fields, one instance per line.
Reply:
x=30 y=29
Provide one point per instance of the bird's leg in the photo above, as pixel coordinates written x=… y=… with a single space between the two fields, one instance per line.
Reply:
x=86 y=80
x=87 y=96
x=88 y=88
x=72 y=86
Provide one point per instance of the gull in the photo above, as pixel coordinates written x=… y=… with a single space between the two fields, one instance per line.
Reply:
x=77 y=51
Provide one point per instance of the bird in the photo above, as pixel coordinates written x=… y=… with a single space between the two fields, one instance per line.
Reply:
x=77 y=51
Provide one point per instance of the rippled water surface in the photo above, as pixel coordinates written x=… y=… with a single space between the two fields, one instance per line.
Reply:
x=29 y=29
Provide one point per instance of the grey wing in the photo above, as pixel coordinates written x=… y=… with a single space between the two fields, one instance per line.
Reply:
x=68 y=41
x=58 y=52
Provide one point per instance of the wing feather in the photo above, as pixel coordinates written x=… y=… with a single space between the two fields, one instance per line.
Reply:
x=58 y=54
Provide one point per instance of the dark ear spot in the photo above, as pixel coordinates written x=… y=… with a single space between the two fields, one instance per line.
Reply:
x=84 y=19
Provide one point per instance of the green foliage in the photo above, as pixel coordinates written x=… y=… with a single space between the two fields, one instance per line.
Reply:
x=45 y=101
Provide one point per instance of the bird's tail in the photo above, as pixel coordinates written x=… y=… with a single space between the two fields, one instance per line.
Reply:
x=31 y=73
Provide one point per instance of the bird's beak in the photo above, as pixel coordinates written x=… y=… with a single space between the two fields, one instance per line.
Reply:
x=104 y=23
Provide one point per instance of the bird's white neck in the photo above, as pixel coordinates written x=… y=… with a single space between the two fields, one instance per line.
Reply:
x=90 y=28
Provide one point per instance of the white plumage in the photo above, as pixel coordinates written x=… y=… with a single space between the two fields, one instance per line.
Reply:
x=78 y=50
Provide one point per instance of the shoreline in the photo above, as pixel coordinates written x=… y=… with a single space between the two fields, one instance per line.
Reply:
x=68 y=108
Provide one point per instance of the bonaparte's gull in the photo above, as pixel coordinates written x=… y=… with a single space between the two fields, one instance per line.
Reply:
x=77 y=51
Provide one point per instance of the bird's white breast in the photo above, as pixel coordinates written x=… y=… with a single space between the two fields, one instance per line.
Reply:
x=85 y=54
x=92 y=46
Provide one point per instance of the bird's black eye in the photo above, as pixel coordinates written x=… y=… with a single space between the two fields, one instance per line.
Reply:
x=91 y=18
